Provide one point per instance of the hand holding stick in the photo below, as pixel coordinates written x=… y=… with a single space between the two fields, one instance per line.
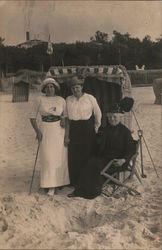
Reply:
x=36 y=157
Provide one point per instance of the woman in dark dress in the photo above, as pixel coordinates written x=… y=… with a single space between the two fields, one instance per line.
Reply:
x=84 y=120
x=116 y=142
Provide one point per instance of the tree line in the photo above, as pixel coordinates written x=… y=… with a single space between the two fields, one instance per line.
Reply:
x=100 y=50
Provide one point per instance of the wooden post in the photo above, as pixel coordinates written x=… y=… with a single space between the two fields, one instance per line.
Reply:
x=50 y=60
x=146 y=80
x=13 y=88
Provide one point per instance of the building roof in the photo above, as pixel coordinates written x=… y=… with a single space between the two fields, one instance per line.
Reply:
x=30 y=42
x=21 y=79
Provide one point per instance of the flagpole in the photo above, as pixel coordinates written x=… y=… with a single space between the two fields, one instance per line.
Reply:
x=62 y=61
x=50 y=59
x=50 y=50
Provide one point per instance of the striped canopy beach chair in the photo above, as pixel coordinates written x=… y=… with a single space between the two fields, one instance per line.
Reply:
x=108 y=84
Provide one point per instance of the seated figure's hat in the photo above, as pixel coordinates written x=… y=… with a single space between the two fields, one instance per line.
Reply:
x=114 y=108
x=125 y=105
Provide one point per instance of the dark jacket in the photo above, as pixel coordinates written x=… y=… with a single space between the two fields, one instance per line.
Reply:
x=113 y=142
x=116 y=142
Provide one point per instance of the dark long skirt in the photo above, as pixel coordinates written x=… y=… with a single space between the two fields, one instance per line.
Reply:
x=91 y=181
x=81 y=147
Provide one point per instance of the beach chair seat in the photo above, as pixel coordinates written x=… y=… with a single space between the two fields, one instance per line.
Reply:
x=127 y=173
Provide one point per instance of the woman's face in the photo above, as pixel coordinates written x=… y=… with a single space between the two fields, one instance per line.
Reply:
x=77 y=90
x=50 y=89
x=114 y=118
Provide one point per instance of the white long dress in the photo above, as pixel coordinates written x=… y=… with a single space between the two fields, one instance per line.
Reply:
x=53 y=153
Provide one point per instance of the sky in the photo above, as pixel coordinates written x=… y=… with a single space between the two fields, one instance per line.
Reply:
x=70 y=21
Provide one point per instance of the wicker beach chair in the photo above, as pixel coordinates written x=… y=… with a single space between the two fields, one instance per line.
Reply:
x=115 y=179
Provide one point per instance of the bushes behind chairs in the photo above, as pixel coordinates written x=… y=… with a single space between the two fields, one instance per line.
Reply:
x=157 y=88
x=144 y=77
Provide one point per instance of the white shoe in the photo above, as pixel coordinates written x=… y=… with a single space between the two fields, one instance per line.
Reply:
x=51 y=191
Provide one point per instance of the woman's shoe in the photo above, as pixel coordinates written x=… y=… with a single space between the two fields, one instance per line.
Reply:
x=72 y=195
x=51 y=191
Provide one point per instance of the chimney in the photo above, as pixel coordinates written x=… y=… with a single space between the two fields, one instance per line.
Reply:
x=27 y=36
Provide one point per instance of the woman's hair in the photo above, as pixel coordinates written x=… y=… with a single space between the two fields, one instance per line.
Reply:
x=76 y=81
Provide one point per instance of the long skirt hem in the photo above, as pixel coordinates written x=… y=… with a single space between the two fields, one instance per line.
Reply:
x=53 y=156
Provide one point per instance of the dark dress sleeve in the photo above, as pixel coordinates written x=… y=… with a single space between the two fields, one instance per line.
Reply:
x=130 y=146
x=100 y=142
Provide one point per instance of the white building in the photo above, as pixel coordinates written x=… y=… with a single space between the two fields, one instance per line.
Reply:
x=30 y=43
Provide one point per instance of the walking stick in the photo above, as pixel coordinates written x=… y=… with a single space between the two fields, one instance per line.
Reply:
x=145 y=144
x=34 y=168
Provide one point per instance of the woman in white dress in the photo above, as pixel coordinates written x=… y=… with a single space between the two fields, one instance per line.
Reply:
x=50 y=135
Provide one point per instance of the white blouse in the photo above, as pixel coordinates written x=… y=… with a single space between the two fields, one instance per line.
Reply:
x=83 y=108
x=49 y=105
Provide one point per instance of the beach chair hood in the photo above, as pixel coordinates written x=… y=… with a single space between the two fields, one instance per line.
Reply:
x=107 y=83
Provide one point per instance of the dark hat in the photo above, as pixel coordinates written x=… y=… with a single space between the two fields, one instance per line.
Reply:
x=114 y=108
x=126 y=104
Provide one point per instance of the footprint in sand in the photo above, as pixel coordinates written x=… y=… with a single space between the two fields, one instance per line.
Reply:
x=3 y=224
x=146 y=233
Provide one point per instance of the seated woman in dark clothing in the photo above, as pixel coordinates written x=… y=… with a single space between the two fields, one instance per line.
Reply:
x=115 y=142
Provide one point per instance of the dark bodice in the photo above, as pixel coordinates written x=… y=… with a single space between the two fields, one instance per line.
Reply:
x=116 y=142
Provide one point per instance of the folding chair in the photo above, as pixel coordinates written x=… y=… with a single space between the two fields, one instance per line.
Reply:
x=131 y=169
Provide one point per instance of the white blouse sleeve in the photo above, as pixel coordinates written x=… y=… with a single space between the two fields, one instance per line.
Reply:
x=97 y=113
x=64 y=109
x=35 y=108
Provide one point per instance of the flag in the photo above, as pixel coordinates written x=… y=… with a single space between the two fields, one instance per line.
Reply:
x=49 y=48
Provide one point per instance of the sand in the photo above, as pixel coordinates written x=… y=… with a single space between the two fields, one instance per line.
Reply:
x=41 y=222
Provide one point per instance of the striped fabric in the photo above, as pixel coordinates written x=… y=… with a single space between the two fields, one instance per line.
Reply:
x=95 y=83
x=86 y=70
x=112 y=73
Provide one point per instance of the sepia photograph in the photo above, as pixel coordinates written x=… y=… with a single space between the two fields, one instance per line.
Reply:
x=80 y=124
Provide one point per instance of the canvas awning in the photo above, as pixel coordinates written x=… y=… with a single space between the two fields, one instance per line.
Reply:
x=20 y=79
x=112 y=73
x=108 y=84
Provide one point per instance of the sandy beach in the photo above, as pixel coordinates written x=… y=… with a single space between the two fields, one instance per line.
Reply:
x=41 y=222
